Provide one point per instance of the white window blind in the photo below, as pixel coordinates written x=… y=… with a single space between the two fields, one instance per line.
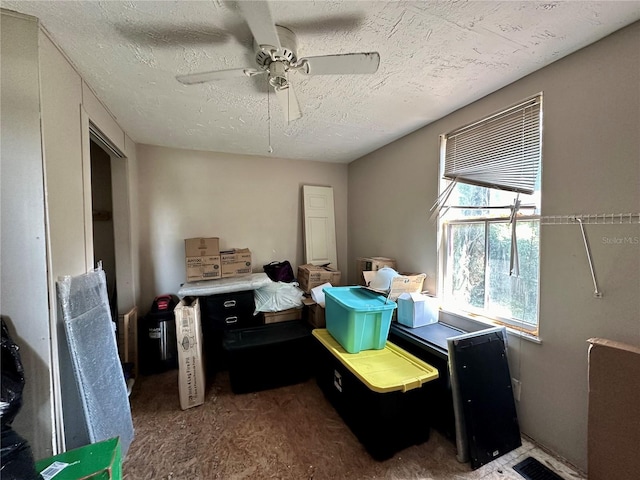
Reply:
x=501 y=151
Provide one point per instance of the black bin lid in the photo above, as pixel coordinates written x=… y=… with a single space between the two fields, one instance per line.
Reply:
x=265 y=335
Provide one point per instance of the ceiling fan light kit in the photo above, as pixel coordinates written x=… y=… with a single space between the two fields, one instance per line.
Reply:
x=276 y=56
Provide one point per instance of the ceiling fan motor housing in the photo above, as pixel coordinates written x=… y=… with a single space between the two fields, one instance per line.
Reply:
x=278 y=74
x=286 y=53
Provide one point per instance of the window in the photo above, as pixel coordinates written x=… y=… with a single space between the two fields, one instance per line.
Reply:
x=489 y=216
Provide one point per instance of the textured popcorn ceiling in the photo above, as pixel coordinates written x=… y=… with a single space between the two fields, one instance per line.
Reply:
x=435 y=58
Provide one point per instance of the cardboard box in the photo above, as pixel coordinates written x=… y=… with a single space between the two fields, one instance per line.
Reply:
x=399 y=285
x=234 y=262
x=202 y=258
x=283 y=315
x=128 y=340
x=191 y=375
x=417 y=310
x=203 y=268
x=313 y=313
x=310 y=276
x=201 y=247
x=100 y=461
x=614 y=410
x=372 y=264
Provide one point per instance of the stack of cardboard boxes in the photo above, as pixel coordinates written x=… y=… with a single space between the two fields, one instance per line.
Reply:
x=309 y=277
x=205 y=261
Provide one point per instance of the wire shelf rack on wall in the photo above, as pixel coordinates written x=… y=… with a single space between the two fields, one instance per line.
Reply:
x=591 y=219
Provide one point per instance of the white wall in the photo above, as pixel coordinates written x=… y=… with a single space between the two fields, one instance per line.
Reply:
x=591 y=164
x=252 y=202
x=23 y=274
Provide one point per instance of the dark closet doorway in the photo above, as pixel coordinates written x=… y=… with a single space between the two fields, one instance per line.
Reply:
x=103 y=230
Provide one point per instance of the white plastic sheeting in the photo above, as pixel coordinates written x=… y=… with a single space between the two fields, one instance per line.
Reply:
x=94 y=356
x=224 y=285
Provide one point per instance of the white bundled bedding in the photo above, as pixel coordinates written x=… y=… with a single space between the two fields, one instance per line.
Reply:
x=278 y=296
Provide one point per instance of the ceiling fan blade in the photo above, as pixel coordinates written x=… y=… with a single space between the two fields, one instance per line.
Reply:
x=166 y=35
x=204 y=77
x=289 y=103
x=341 y=64
x=258 y=17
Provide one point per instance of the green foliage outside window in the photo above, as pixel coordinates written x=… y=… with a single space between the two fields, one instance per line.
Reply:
x=479 y=251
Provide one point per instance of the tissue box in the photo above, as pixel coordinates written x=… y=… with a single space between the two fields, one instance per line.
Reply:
x=417 y=310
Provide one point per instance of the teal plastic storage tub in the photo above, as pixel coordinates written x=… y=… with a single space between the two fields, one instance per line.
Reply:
x=358 y=318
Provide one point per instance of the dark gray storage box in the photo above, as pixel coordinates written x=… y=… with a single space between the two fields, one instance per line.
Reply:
x=268 y=356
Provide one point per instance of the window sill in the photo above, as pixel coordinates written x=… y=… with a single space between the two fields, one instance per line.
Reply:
x=473 y=322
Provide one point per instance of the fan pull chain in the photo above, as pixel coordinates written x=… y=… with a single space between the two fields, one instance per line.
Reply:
x=270 y=150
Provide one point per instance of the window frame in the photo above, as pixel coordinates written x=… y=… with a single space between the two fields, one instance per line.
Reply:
x=482 y=313
x=447 y=184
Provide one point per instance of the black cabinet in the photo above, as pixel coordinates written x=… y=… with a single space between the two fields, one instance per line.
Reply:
x=230 y=310
x=222 y=312
x=429 y=343
x=474 y=373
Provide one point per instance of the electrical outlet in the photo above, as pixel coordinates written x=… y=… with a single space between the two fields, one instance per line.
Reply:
x=516 y=385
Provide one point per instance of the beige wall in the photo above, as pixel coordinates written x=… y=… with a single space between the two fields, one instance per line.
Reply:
x=68 y=107
x=23 y=269
x=61 y=89
x=246 y=201
x=591 y=164
x=125 y=223
x=46 y=219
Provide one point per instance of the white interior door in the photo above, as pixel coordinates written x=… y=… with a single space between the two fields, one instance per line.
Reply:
x=319 y=226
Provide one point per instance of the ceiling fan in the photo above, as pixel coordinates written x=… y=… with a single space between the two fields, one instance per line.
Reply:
x=276 y=57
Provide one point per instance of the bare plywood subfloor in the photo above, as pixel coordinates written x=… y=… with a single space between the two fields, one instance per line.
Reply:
x=286 y=433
